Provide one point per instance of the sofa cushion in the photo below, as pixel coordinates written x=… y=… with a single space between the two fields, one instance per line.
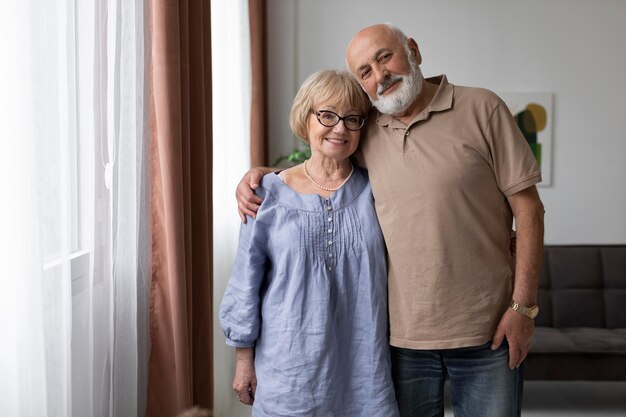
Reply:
x=614 y=269
x=575 y=268
x=577 y=340
x=578 y=308
x=615 y=301
x=581 y=328
x=583 y=286
x=575 y=367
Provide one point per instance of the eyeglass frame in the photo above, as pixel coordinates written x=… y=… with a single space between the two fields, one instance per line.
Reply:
x=339 y=119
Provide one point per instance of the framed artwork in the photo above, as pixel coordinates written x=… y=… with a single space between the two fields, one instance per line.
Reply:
x=533 y=113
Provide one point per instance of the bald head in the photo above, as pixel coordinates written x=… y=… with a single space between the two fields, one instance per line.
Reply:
x=380 y=29
x=386 y=64
x=368 y=38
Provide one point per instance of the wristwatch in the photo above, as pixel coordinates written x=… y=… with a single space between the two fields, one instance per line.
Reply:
x=530 y=311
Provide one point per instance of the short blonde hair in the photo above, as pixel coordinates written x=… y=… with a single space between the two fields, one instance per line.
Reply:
x=335 y=86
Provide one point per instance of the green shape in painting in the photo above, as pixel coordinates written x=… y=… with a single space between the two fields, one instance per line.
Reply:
x=527 y=125
x=536 y=148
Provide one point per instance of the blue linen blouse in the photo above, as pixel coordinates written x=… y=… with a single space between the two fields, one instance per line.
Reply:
x=309 y=292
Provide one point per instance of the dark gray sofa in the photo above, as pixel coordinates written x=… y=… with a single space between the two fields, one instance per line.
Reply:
x=581 y=329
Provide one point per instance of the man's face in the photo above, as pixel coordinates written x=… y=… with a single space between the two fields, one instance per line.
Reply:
x=398 y=101
x=388 y=73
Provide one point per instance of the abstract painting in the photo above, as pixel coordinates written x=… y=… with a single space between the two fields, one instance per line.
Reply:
x=533 y=114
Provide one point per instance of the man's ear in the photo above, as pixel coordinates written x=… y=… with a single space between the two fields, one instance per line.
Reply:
x=416 y=51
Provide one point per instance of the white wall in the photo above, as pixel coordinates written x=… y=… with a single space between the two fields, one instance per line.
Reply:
x=575 y=49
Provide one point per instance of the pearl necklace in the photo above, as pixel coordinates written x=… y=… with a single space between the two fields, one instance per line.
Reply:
x=321 y=186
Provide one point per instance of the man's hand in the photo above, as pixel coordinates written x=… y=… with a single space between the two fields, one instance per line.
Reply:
x=247 y=202
x=518 y=331
x=244 y=382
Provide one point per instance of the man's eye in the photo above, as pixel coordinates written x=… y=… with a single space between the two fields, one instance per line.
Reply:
x=384 y=58
x=365 y=73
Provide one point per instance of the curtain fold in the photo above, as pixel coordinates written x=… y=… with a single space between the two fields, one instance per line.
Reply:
x=22 y=293
x=258 y=55
x=180 y=367
x=130 y=193
x=72 y=170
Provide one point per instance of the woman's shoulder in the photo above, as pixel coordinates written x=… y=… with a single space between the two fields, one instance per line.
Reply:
x=276 y=195
x=268 y=186
x=288 y=174
x=284 y=185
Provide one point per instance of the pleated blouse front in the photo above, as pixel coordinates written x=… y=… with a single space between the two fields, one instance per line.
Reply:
x=309 y=292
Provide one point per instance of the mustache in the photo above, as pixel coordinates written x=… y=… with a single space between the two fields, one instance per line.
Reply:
x=387 y=82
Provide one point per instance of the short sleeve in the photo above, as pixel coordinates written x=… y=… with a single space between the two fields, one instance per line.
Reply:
x=514 y=164
x=240 y=311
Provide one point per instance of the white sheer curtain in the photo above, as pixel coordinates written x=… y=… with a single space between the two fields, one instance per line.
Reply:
x=230 y=43
x=74 y=236
x=22 y=364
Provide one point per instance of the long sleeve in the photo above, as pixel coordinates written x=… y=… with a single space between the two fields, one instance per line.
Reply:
x=240 y=311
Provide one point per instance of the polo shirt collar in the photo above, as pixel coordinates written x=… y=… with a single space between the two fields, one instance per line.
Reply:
x=442 y=100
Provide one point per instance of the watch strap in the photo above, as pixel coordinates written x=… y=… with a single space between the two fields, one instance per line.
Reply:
x=530 y=311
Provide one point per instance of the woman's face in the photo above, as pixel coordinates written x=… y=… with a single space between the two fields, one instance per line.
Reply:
x=335 y=142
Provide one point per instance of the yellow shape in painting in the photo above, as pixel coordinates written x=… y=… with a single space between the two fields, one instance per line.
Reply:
x=539 y=116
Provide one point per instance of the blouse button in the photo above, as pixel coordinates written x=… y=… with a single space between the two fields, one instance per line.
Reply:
x=330 y=242
x=330 y=230
x=330 y=219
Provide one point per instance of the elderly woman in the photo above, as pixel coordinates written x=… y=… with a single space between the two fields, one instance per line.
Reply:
x=306 y=305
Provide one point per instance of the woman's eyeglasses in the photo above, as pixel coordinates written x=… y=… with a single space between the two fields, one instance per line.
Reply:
x=329 y=119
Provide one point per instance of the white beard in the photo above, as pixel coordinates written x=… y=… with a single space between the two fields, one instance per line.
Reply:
x=398 y=102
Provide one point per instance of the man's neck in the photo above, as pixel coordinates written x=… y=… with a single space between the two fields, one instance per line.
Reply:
x=421 y=102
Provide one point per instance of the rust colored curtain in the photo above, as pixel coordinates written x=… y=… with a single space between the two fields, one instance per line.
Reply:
x=180 y=370
x=258 y=115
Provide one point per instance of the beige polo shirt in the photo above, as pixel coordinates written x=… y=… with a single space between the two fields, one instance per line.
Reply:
x=441 y=187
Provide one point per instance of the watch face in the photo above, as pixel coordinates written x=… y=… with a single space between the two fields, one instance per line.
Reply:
x=533 y=311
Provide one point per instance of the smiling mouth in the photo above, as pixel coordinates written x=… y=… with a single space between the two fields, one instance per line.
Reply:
x=337 y=141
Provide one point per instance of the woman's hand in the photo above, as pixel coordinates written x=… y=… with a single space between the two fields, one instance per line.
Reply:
x=244 y=382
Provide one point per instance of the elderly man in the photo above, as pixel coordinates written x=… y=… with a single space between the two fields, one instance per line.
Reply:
x=450 y=171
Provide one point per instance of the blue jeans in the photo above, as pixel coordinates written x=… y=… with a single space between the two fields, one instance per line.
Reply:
x=481 y=383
